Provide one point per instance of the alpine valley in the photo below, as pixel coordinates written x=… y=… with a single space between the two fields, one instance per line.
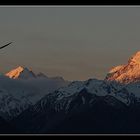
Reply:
x=37 y=104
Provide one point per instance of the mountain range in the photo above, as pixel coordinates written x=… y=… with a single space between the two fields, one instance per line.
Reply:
x=21 y=88
x=35 y=103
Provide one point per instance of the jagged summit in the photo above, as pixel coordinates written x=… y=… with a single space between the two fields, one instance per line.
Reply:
x=20 y=73
x=24 y=73
x=126 y=73
x=135 y=58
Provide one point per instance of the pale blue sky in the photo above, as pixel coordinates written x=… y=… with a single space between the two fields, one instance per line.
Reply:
x=74 y=42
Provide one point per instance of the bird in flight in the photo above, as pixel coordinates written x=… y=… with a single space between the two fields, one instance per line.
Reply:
x=5 y=45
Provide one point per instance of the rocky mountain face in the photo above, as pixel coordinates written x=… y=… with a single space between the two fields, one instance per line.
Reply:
x=126 y=73
x=92 y=106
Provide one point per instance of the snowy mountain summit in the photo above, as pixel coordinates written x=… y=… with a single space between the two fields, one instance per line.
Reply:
x=20 y=73
x=126 y=73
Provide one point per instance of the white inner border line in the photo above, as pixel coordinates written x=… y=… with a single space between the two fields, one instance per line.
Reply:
x=98 y=6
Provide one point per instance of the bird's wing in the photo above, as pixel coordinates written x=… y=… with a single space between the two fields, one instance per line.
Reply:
x=5 y=45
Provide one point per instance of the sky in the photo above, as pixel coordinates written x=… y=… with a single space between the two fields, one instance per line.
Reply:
x=76 y=43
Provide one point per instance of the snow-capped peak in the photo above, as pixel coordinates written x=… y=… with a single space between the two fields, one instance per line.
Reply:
x=126 y=73
x=20 y=73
